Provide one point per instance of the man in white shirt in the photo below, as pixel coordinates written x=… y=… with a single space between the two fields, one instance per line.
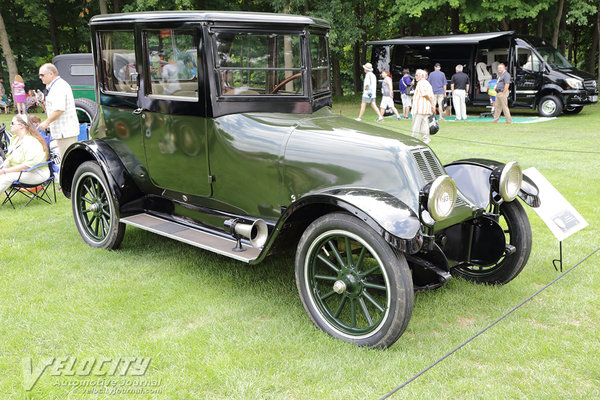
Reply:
x=60 y=108
x=369 y=92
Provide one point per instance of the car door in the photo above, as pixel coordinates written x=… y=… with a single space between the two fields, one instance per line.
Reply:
x=528 y=77
x=117 y=66
x=171 y=106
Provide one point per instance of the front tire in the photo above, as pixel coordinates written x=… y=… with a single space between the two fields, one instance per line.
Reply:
x=550 y=106
x=94 y=209
x=353 y=285
x=517 y=229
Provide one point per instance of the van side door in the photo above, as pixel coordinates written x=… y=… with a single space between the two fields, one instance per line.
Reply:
x=528 y=77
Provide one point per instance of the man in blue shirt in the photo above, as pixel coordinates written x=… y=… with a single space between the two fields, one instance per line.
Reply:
x=438 y=81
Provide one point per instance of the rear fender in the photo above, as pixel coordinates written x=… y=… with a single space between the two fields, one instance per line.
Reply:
x=472 y=177
x=121 y=185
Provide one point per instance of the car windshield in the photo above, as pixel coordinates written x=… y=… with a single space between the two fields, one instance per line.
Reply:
x=250 y=63
x=553 y=57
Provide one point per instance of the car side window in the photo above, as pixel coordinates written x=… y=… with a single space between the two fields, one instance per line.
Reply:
x=251 y=64
x=528 y=61
x=172 y=62
x=118 y=62
x=320 y=62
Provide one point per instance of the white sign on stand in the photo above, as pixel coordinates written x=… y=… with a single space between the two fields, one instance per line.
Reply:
x=558 y=214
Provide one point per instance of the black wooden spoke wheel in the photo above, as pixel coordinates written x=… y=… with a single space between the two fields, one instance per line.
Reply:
x=94 y=209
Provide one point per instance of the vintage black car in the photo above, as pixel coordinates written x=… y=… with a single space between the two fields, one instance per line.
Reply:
x=215 y=129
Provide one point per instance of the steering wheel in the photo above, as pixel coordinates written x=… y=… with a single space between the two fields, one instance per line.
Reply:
x=285 y=81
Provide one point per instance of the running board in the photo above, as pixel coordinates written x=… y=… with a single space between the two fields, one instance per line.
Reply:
x=195 y=237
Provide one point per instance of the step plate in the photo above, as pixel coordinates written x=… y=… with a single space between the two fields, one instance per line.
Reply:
x=195 y=237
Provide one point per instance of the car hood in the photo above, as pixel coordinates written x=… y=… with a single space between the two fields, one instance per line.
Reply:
x=327 y=151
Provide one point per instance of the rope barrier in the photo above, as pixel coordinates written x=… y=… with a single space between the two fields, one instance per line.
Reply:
x=488 y=327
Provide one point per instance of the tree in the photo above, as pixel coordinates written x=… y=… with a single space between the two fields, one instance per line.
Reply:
x=7 y=51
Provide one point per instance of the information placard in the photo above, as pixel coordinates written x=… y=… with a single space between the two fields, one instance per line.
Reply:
x=558 y=214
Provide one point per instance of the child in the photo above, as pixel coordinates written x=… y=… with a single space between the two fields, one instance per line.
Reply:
x=405 y=83
x=492 y=91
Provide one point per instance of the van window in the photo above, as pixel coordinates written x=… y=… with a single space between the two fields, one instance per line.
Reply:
x=320 y=62
x=528 y=61
x=118 y=62
x=172 y=63
x=258 y=64
x=82 y=69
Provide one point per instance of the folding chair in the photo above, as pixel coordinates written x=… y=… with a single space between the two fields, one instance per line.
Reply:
x=36 y=190
x=4 y=140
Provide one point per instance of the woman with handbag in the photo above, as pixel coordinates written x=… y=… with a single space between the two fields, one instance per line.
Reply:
x=369 y=92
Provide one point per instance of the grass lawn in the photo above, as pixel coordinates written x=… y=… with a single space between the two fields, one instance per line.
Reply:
x=218 y=329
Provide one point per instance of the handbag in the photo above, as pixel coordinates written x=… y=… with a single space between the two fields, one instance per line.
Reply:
x=411 y=89
x=434 y=127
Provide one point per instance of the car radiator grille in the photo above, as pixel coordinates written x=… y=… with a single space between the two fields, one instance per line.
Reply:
x=430 y=168
x=428 y=164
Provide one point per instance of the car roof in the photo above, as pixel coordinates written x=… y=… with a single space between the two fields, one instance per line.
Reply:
x=209 y=16
x=465 y=38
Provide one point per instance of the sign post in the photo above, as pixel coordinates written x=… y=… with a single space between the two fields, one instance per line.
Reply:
x=559 y=215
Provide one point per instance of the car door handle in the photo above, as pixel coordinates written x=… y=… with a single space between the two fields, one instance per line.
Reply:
x=138 y=111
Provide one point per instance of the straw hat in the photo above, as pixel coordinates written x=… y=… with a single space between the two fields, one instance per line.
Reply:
x=368 y=67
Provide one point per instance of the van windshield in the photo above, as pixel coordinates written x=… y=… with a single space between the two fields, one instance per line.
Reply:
x=553 y=57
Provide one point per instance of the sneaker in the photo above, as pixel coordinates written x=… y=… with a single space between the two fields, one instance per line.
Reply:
x=379 y=119
x=357 y=119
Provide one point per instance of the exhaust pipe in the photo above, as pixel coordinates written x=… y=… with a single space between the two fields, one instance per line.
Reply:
x=256 y=232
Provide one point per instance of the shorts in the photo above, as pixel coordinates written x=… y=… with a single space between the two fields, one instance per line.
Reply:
x=439 y=99
x=406 y=100
x=366 y=99
x=386 y=102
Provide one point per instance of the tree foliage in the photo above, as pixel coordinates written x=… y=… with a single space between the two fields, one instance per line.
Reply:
x=39 y=29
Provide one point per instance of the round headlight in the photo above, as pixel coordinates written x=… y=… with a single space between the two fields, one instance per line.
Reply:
x=510 y=181
x=442 y=196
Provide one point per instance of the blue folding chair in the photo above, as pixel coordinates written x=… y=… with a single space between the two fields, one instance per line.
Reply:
x=37 y=190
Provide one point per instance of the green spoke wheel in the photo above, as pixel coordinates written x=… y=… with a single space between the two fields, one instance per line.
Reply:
x=94 y=209
x=517 y=232
x=353 y=285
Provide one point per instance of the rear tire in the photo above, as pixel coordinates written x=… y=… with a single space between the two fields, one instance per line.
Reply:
x=353 y=285
x=94 y=209
x=550 y=106
x=86 y=110
x=573 y=110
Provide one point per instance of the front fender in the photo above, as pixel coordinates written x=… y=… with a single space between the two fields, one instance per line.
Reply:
x=472 y=177
x=120 y=182
x=391 y=218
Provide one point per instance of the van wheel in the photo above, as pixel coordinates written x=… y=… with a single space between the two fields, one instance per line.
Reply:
x=573 y=110
x=353 y=285
x=550 y=106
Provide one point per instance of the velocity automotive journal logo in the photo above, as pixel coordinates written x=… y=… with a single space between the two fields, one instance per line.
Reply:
x=92 y=375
